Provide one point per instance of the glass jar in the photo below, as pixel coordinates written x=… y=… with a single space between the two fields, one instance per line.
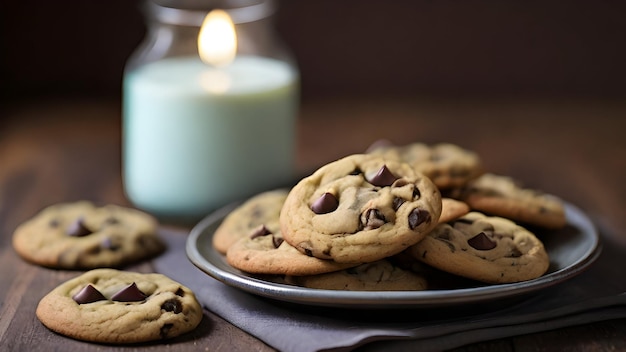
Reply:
x=197 y=136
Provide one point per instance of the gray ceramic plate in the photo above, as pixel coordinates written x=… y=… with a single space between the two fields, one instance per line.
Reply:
x=571 y=251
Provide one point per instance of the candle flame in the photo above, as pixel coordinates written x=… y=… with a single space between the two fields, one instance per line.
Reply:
x=217 y=40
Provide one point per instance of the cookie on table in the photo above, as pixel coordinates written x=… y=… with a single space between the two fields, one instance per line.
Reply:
x=260 y=210
x=447 y=165
x=80 y=235
x=487 y=249
x=380 y=275
x=360 y=209
x=264 y=252
x=452 y=209
x=503 y=196
x=120 y=307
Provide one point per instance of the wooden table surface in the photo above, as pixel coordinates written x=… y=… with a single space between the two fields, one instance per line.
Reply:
x=57 y=151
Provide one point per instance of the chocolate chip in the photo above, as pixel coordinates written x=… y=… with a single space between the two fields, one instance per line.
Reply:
x=260 y=231
x=372 y=219
x=88 y=294
x=417 y=217
x=481 y=242
x=78 y=229
x=172 y=305
x=325 y=204
x=383 y=177
x=397 y=202
x=180 y=292
x=165 y=329
x=416 y=193
x=356 y=172
x=107 y=243
x=130 y=293
x=277 y=241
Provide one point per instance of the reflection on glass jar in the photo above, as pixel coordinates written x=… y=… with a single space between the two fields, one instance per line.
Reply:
x=203 y=126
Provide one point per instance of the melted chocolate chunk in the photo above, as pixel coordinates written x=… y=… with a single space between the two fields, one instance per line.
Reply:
x=88 y=294
x=260 y=231
x=130 y=293
x=325 y=204
x=417 y=217
x=481 y=242
x=372 y=219
x=180 y=292
x=78 y=229
x=383 y=177
x=172 y=305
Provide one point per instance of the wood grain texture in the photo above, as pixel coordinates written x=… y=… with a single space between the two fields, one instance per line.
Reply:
x=52 y=152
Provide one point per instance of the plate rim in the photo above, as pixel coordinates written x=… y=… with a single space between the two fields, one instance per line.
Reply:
x=388 y=299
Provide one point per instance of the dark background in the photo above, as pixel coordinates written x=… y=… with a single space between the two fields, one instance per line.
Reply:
x=563 y=48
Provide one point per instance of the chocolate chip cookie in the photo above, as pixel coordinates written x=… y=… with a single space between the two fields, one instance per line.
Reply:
x=264 y=252
x=81 y=235
x=487 y=249
x=360 y=209
x=447 y=165
x=262 y=210
x=119 y=307
x=380 y=275
x=504 y=196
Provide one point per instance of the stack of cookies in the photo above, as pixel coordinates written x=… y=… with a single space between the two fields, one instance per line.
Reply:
x=393 y=218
